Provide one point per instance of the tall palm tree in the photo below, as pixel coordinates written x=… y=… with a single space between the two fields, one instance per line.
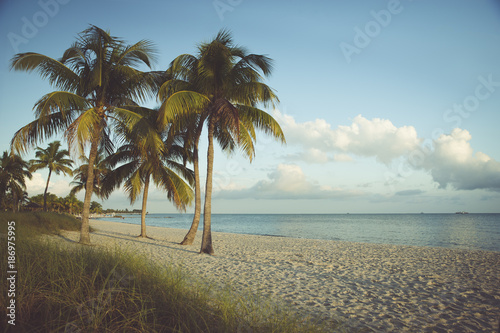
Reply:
x=143 y=160
x=53 y=159
x=98 y=77
x=226 y=91
x=191 y=126
x=182 y=75
x=101 y=169
x=13 y=173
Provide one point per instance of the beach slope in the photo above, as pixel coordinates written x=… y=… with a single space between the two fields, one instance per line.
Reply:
x=377 y=287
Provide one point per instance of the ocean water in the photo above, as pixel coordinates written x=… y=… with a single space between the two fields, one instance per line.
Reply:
x=465 y=231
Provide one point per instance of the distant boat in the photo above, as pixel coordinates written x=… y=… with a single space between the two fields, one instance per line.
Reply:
x=462 y=212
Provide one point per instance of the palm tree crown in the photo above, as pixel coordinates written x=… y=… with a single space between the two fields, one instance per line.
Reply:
x=53 y=159
x=142 y=159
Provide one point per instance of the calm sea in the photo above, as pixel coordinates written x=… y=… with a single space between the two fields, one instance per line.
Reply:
x=465 y=231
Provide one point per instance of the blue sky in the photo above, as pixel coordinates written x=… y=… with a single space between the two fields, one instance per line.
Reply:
x=387 y=106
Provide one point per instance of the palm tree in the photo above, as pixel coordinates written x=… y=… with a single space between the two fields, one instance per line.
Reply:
x=53 y=159
x=71 y=203
x=58 y=204
x=226 y=91
x=23 y=200
x=13 y=173
x=101 y=169
x=52 y=202
x=183 y=76
x=97 y=77
x=95 y=207
x=143 y=160
x=190 y=127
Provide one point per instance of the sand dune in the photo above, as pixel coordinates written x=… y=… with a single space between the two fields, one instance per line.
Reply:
x=383 y=288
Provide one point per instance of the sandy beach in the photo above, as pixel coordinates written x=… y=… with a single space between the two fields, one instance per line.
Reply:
x=382 y=288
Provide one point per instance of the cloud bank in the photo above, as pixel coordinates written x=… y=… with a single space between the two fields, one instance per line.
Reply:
x=454 y=163
x=286 y=182
x=36 y=185
x=377 y=138
x=450 y=161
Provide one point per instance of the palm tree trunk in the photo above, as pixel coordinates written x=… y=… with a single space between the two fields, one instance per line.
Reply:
x=143 y=213
x=89 y=189
x=189 y=238
x=206 y=243
x=45 y=193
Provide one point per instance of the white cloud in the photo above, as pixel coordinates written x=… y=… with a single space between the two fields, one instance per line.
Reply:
x=377 y=138
x=453 y=162
x=36 y=185
x=287 y=182
x=60 y=188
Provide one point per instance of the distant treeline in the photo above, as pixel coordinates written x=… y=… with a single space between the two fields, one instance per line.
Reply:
x=122 y=211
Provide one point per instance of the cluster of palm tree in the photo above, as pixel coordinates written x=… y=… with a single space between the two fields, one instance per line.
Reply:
x=97 y=107
x=13 y=173
x=69 y=204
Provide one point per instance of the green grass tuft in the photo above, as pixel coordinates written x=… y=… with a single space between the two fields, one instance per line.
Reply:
x=34 y=223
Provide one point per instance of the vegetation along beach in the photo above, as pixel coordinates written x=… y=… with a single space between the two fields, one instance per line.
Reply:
x=234 y=166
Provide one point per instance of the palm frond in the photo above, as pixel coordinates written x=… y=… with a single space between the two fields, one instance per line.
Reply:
x=180 y=103
x=37 y=131
x=83 y=129
x=247 y=138
x=133 y=185
x=117 y=176
x=257 y=62
x=59 y=101
x=48 y=68
x=142 y=52
x=177 y=189
x=169 y=87
x=253 y=93
x=262 y=121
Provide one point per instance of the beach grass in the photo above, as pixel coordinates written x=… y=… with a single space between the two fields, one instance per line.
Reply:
x=33 y=223
x=72 y=288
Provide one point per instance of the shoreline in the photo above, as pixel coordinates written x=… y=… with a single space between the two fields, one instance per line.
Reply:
x=376 y=286
x=200 y=230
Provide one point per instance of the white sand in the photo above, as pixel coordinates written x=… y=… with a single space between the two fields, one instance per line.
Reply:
x=386 y=288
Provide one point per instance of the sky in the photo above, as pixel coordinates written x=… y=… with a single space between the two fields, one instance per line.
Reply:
x=387 y=106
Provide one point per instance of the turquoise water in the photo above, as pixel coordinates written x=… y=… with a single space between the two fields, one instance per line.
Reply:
x=468 y=231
